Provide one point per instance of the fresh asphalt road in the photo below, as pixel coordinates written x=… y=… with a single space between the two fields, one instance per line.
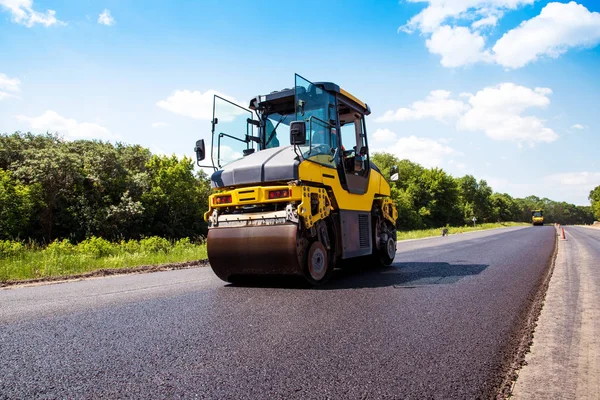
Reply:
x=443 y=322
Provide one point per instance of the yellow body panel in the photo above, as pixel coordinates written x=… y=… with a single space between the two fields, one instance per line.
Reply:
x=251 y=195
x=254 y=195
x=308 y=172
x=313 y=172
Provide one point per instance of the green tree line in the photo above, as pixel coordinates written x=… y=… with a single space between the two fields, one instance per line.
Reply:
x=51 y=188
x=431 y=198
x=595 y=199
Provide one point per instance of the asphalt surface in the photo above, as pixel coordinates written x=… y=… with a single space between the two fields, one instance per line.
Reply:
x=443 y=322
x=564 y=362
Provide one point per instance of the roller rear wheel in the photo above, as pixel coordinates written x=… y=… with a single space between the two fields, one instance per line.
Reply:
x=318 y=267
x=388 y=252
x=384 y=243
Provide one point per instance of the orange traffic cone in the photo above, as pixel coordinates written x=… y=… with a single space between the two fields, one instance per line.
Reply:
x=562 y=234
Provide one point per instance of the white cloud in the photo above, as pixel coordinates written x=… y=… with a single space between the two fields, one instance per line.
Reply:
x=574 y=186
x=51 y=121
x=558 y=28
x=460 y=166
x=571 y=187
x=384 y=135
x=199 y=105
x=228 y=154
x=497 y=111
x=105 y=18
x=8 y=86
x=23 y=13
x=587 y=179
x=453 y=29
x=437 y=105
x=159 y=124
x=577 y=126
x=425 y=151
x=439 y=11
x=491 y=20
x=458 y=46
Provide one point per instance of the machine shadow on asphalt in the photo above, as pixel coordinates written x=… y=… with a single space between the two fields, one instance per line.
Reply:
x=360 y=275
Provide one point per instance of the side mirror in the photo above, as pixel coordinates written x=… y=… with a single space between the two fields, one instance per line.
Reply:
x=200 y=150
x=394 y=173
x=298 y=133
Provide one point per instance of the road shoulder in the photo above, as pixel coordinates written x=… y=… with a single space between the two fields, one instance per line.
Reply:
x=564 y=361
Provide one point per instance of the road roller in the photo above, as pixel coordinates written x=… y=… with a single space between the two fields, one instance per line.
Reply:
x=293 y=189
x=537 y=217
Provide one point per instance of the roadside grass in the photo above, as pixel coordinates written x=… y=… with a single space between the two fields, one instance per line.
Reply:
x=455 y=229
x=24 y=261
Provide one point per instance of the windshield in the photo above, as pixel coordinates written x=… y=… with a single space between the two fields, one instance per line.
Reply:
x=537 y=214
x=232 y=134
x=277 y=130
x=316 y=107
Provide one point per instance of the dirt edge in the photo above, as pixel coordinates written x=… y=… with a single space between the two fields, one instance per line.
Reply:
x=141 y=269
x=524 y=347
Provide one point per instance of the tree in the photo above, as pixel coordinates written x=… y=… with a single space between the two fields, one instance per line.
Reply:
x=171 y=204
x=52 y=188
x=406 y=191
x=594 y=197
x=439 y=204
x=475 y=199
x=504 y=207
x=17 y=203
x=57 y=171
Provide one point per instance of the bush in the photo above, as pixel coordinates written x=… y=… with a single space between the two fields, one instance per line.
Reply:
x=130 y=246
x=57 y=248
x=155 y=244
x=96 y=247
x=9 y=248
x=183 y=244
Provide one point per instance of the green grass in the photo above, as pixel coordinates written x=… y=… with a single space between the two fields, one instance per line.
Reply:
x=19 y=261
x=453 y=230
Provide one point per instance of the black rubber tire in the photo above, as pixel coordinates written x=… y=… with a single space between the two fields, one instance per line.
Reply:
x=318 y=267
x=383 y=258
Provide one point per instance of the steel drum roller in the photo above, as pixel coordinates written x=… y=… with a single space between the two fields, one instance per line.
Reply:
x=253 y=250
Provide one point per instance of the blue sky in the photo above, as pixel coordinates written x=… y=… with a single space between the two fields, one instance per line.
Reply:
x=505 y=90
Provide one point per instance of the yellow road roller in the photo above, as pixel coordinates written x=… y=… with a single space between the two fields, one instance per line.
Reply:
x=537 y=217
x=293 y=189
